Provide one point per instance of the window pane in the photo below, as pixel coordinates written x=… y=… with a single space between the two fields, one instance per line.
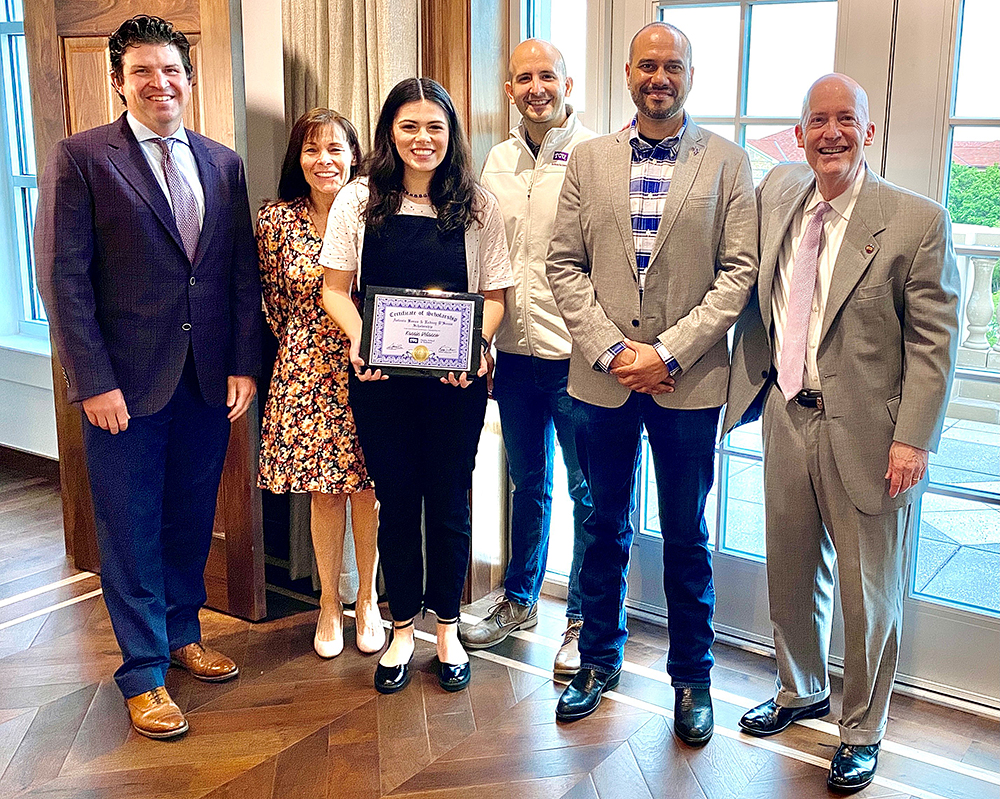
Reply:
x=746 y=437
x=561 y=526
x=715 y=42
x=725 y=131
x=744 y=529
x=976 y=93
x=24 y=158
x=24 y=203
x=958 y=552
x=649 y=510
x=15 y=10
x=974 y=185
x=564 y=23
x=768 y=145
x=791 y=45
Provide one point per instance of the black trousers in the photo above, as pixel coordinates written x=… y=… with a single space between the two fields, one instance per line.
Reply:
x=420 y=437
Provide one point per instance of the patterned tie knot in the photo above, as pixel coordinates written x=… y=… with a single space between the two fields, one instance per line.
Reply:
x=821 y=210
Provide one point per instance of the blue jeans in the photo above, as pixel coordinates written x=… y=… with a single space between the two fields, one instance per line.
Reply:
x=534 y=409
x=683 y=448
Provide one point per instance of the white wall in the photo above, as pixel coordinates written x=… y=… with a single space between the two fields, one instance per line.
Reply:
x=27 y=412
x=265 y=96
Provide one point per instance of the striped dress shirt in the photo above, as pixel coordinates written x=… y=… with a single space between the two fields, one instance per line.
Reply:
x=649 y=182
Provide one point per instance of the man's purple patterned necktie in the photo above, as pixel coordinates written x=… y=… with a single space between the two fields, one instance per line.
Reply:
x=800 y=297
x=183 y=201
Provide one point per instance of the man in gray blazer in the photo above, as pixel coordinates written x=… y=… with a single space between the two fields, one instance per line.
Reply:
x=848 y=348
x=653 y=257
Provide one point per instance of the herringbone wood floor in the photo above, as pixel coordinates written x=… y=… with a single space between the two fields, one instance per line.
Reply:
x=294 y=726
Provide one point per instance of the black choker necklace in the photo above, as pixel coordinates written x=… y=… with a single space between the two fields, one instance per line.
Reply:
x=416 y=196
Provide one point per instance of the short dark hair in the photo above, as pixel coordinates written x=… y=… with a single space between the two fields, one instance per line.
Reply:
x=292 y=183
x=453 y=187
x=144 y=29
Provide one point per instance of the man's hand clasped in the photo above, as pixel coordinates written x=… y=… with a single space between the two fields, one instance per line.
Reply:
x=640 y=368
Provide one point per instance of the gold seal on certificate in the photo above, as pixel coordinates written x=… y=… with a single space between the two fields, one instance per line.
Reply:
x=421 y=333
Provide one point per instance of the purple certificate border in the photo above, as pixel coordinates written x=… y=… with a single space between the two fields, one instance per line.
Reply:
x=386 y=302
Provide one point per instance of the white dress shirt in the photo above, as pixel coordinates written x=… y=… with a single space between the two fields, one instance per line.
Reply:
x=180 y=150
x=834 y=226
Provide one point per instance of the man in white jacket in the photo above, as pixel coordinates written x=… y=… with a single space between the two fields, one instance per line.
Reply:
x=526 y=173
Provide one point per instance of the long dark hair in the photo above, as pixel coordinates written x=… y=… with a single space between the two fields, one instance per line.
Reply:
x=453 y=187
x=292 y=183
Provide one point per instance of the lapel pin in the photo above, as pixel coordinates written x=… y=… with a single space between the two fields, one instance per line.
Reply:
x=869 y=248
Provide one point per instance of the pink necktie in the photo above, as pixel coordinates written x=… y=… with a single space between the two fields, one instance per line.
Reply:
x=800 y=297
x=182 y=199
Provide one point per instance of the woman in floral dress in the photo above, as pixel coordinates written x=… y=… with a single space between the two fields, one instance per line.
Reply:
x=308 y=443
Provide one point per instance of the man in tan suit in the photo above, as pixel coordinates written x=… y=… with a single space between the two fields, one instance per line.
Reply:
x=849 y=349
x=653 y=256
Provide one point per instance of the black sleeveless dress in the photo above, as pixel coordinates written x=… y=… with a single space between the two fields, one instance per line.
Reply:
x=419 y=436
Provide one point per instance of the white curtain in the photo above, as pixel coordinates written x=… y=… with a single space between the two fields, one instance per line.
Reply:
x=347 y=55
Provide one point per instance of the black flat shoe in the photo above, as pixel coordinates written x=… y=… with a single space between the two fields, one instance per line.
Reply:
x=694 y=722
x=770 y=718
x=452 y=677
x=852 y=768
x=391 y=679
x=583 y=695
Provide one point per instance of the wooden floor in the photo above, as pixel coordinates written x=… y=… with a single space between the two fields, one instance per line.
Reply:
x=294 y=726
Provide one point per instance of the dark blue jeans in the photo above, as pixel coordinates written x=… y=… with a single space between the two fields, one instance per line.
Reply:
x=683 y=445
x=534 y=409
x=154 y=487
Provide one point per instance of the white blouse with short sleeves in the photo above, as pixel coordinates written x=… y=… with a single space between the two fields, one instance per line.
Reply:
x=486 y=256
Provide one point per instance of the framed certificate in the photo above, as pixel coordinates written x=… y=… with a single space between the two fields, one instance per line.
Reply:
x=421 y=333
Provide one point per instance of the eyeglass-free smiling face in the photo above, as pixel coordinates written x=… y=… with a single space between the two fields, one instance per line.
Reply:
x=420 y=134
x=834 y=131
x=155 y=86
x=326 y=159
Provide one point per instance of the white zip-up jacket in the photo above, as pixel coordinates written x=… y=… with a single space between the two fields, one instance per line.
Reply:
x=528 y=191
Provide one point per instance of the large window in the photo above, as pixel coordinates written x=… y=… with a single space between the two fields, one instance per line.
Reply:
x=738 y=50
x=18 y=191
x=958 y=549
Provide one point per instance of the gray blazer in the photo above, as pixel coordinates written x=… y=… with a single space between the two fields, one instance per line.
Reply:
x=702 y=270
x=887 y=352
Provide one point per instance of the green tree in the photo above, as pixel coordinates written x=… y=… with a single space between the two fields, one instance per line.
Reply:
x=974 y=195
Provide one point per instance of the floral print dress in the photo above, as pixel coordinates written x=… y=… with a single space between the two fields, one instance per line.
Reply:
x=308 y=441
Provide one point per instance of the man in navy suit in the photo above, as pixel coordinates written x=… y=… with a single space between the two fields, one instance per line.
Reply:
x=147 y=265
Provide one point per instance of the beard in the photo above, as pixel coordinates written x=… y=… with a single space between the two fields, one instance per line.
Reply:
x=657 y=111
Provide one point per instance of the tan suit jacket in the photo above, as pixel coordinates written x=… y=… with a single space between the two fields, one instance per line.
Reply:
x=702 y=269
x=887 y=350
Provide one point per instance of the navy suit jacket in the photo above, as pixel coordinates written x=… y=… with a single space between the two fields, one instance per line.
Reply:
x=124 y=302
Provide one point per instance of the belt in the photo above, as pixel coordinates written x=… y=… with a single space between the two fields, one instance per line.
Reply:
x=809 y=398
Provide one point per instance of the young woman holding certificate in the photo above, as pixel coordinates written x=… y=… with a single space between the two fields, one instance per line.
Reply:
x=418 y=220
x=308 y=441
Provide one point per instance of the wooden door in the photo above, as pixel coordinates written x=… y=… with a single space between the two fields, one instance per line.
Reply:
x=68 y=65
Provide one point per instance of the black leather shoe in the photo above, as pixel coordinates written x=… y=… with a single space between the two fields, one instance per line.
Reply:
x=770 y=718
x=390 y=679
x=694 y=722
x=454 y=678
x=583 y=695
x=852 y=768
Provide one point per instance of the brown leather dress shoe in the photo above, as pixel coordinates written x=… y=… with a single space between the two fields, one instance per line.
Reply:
x=155 y=715
x=204 y=663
